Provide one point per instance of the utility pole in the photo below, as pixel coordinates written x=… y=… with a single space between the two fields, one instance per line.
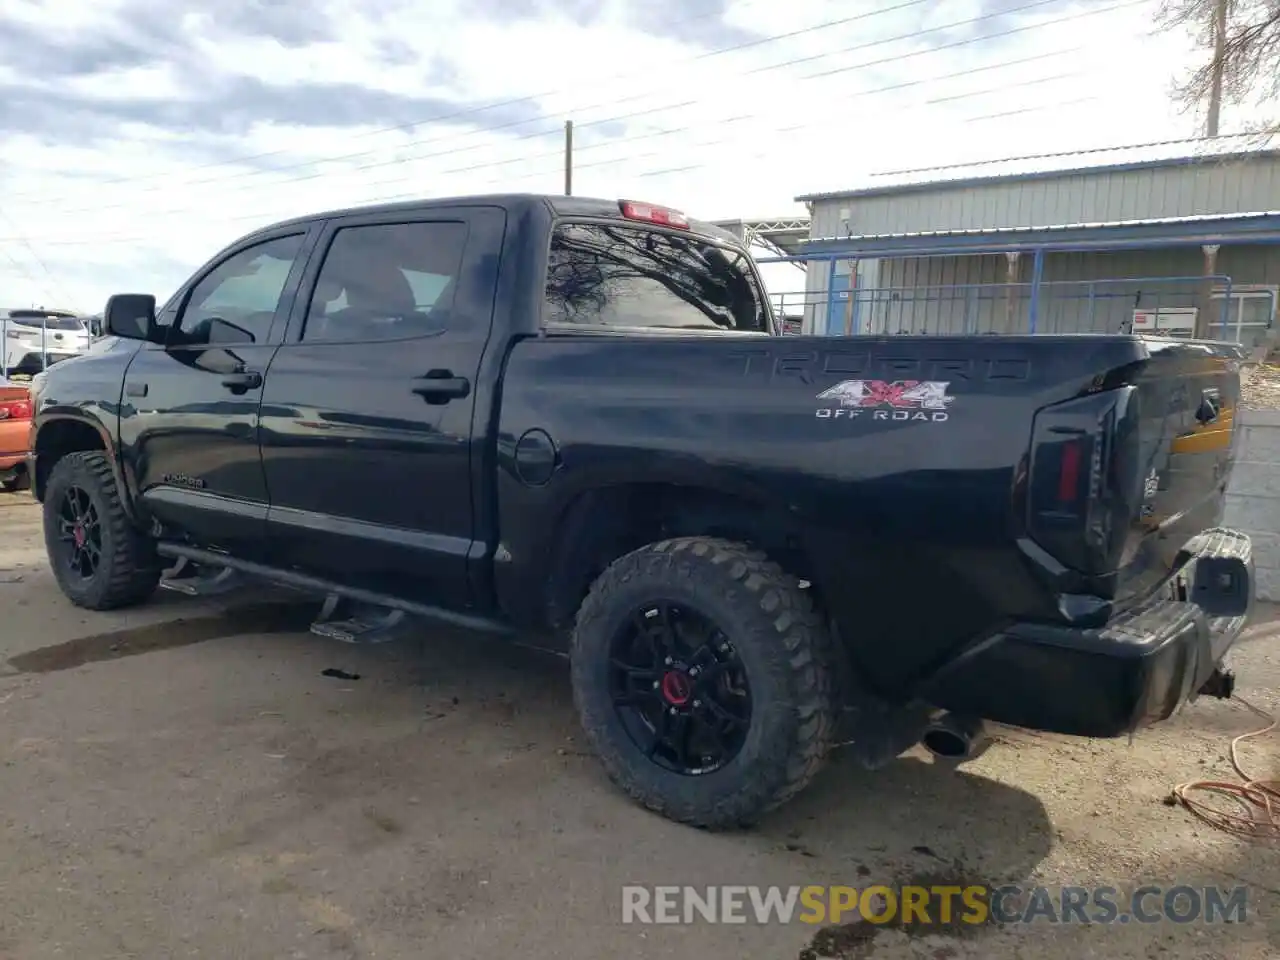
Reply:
x=1219 y=52
x=568 y=158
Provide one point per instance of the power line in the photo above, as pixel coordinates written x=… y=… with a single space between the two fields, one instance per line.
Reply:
x=399 y=161
x=553 y=172
x=472 y=111
x=56 y=289
x=653 y=135
x=410 y=123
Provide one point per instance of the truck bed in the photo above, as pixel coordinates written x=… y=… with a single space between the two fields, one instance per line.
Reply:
x=906 y=465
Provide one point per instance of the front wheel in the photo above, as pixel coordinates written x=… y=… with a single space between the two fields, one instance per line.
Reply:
x=704 y=680
x=100 y=560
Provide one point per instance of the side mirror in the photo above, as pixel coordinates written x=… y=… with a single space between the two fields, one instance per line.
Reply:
x=131 y=316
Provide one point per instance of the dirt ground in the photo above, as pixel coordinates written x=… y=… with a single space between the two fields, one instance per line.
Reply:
x=182 y=781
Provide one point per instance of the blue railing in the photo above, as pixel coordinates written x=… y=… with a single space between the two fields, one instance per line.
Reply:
x=1163 y=305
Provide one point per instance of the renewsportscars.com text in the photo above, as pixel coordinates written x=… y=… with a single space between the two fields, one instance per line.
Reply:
x=934 y=905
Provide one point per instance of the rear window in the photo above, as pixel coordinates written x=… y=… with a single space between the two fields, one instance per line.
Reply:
x=32 y=318
x=627 y=276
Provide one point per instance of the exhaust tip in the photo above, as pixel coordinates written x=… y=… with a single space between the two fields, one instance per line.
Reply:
x=954 y=738
x=946 y=744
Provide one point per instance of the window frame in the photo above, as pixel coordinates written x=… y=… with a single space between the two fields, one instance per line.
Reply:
x=170 y=315
x=298 y=322
x=1235 y=309
x=552 y=326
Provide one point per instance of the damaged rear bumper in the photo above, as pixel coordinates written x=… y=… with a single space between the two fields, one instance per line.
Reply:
x=1132 y=672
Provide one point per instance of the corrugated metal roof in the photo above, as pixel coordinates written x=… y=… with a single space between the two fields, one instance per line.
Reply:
x=1047 y=165
x=1234 y=218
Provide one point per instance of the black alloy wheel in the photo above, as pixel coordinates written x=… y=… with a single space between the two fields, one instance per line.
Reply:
x=680 y=688
x=80 y=533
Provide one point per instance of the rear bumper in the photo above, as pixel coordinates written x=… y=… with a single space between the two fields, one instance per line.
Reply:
x=31 y=363
x=14 y=437
x=1108 y=681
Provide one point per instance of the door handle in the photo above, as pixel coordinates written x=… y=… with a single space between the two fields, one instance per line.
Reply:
x=441 y=386
x=135 y=388
x=242 y=381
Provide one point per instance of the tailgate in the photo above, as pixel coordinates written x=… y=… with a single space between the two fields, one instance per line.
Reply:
x=1187 y=395
x=1126 y=473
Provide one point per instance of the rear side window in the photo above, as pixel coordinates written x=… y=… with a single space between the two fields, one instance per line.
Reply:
x=627 y=276
x=386 y=281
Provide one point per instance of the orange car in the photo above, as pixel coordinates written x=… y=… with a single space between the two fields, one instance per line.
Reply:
x=15 y=429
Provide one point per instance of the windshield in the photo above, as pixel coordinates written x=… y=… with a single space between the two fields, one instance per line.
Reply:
x=629 y=276
x=30 y=318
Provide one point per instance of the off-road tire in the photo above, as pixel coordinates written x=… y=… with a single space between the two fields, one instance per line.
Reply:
x=129 y=569
x=785 y=649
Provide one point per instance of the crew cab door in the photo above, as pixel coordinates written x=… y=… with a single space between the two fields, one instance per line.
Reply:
x=367 y=409
x=189 y=413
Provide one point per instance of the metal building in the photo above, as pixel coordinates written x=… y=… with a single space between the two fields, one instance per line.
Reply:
x=1179 y=237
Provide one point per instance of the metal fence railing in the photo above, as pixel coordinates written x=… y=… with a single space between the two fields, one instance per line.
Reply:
x=1156 y=305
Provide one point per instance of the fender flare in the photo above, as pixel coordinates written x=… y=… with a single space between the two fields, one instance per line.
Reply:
x=75 y=415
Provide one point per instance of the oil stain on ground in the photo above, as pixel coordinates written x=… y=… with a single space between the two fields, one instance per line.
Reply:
x=856 y=941
x=132 y=641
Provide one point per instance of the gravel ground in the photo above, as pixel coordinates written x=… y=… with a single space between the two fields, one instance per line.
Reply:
x=1260 y=387
x=182 y=781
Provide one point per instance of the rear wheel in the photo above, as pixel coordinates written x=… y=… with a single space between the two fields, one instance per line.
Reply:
x=704 y=679
x=100 y=560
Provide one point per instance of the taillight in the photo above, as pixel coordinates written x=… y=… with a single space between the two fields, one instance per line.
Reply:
x=19 y=409
x=1076 y=503
x=1069 y=471
x=649 y=213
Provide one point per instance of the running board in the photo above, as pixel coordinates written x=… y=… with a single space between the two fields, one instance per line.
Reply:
x=326 y=588
x=354 y=622
x=186 y=577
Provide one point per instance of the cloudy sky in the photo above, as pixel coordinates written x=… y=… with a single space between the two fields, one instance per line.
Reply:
x=136 y=138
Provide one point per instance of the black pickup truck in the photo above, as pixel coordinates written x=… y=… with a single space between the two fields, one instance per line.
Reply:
x=574 y=418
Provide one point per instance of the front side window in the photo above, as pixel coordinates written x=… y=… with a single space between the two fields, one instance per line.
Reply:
x=237 y=300
x=627 y=276
x=386 y=282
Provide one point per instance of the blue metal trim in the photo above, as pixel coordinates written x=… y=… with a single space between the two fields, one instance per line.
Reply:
x=961 y=183
x=1037 y=274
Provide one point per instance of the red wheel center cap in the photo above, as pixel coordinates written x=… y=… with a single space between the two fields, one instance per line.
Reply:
x=677 y=688
x=78 y=534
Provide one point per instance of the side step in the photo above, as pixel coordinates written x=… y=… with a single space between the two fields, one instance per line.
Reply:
x=354 y=622
x=187 y=577
x=329 y=588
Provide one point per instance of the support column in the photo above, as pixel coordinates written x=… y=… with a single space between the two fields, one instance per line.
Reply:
x=1010 y=278
x=1204 y=314
x=849 y=312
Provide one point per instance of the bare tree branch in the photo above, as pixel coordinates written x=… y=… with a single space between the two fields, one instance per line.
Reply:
x=1250 y=57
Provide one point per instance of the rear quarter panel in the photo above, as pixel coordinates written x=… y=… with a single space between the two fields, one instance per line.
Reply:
x=908 y=513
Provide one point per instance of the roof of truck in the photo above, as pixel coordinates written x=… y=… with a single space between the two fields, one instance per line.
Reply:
x=559 y=205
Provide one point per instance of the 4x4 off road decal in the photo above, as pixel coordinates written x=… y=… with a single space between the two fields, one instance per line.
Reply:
x=925 y=400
